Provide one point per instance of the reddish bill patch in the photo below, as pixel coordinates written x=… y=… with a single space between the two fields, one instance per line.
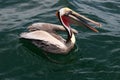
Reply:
x=65 y=20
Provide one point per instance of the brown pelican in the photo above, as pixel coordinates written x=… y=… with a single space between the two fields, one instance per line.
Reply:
x=44 y=35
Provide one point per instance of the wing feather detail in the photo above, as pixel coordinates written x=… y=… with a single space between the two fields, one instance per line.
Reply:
x=43 y=36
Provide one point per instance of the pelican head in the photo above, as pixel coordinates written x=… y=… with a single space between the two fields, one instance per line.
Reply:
x=68 y=16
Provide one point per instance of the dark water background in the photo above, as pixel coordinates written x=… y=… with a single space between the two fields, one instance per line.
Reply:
x=96 y=56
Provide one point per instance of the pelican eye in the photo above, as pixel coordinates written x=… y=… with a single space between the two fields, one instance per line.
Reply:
x=67 y=13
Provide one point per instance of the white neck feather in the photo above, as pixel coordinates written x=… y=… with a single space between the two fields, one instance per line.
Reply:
x=72 y=41
x=73 y=38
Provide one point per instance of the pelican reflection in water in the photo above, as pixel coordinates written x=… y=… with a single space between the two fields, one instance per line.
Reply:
x=44 y=35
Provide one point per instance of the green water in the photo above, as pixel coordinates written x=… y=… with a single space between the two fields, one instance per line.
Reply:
x=96 y=56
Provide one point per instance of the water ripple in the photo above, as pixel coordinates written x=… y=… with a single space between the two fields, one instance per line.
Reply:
x=96 y=56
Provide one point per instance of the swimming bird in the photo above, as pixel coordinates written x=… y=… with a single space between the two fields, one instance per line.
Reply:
x=44 y=35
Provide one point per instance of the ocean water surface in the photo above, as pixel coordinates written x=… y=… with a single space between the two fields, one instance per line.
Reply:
x=96 y=56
